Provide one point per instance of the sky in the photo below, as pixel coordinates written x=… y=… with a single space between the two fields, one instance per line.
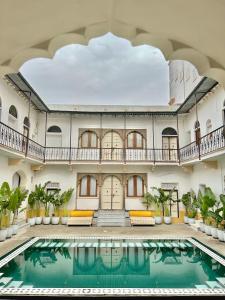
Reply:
x=108 y=71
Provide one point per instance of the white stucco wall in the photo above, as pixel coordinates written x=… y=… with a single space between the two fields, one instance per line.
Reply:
x=10 y=97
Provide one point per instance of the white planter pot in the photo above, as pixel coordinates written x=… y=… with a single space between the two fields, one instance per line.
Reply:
x=31 y=221
x=221 y=235
x=202 y=227
x=191 y=221
x=15 y=228
x=9 y=232
x=214 y=232
x=167 y=220
x=46 y=220
x=158 y=220
x=185 y=220
x=3 y=234
x=208 y=229
x=55 y=220
x=38 y=220
x=64 y=220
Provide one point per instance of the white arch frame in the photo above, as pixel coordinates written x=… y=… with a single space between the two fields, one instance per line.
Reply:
x=171 y=49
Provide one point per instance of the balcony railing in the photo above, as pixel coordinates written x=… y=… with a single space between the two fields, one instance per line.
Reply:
x=110 y=154
x=13 y=140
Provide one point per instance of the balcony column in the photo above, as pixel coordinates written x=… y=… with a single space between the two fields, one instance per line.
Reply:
x=46 y=121
x=28 y=133
x=153 y=137
x=124 y=138
x=70 y=138
x=178 y=143
x=100 y=140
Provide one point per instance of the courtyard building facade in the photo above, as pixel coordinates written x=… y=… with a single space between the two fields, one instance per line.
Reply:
x=112 y=155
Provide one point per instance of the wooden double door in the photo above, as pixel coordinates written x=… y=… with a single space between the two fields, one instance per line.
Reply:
x=112 y=193
x=169 y=148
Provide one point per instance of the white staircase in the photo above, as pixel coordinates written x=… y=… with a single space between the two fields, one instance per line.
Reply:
x=109 y=218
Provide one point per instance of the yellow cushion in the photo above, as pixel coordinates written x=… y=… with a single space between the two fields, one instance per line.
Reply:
x=81 y=213
x=140 y=213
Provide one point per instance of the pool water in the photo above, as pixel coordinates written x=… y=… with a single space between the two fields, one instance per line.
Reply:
x=111 y=264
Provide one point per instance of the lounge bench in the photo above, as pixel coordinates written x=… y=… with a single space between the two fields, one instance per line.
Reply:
x=80 y=217
x=141 y=218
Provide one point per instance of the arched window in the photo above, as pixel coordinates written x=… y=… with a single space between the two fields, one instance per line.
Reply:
x=169 y=131
x=54 y=136
x=89 y=139
x=54 y=129
x=208 y=126
x=88 y=186
x=135 y=140
x=13 y=111
x=0 y=109
x=135 y=186
x=16 y=180
x=197 y=132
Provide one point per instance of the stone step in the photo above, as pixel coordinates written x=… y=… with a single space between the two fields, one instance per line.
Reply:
x=15 y=284
x=4 y=281
x=27 y=286
x=201 y=286
x=214 y=285
x=221 y=280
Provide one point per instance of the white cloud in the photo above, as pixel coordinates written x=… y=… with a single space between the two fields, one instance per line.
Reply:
x=107 y=71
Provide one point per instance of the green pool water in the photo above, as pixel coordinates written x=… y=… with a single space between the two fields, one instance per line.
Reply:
x=112 y=264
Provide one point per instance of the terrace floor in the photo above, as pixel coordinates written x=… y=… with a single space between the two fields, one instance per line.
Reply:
x=161 y=231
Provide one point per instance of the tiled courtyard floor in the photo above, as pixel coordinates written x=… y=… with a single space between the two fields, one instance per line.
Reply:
x=175 y=230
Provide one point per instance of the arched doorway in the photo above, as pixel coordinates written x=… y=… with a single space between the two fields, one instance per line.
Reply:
x=169 y=144
x=112 y=193
x=112 y=146
x=16 y=180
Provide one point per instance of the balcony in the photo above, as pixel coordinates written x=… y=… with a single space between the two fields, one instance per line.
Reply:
x=208 y=145
x=14 y=141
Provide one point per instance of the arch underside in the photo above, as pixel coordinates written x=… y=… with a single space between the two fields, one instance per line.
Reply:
x=140 y=22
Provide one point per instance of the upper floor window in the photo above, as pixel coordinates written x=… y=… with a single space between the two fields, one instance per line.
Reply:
x=54 y=129
x=135 y=140
x=208 y=126
x=13 y=111
x=135 y=186
x=88 y=186
x=89 y=139
x=12 y=117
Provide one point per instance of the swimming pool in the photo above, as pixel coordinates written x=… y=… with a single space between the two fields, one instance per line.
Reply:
x=103 y=265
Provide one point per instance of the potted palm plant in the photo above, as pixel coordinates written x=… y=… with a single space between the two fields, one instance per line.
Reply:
x=167 y=215
x=65 y=198
x=206 y=201
x=56 y=203
x=148 y=200
x=221 y=225
x=46 y=201
x=162 y=200
x=31 y=211
x=17 y=196
x=3 y=208
x=186 y=200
